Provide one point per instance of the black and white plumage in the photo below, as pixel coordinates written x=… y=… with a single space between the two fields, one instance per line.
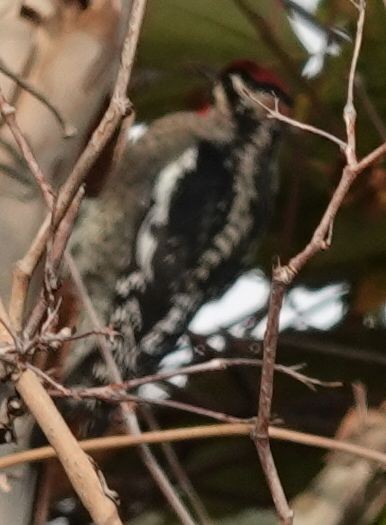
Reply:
x=213 y=188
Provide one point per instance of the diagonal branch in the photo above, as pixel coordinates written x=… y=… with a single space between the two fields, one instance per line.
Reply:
x=68 y=129
x=8 y=113
x=119 y=105
x=81 y=472
x=129 y=417
x=284 y=275
x=83 y=475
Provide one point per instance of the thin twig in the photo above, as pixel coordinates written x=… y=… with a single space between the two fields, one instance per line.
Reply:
x=349 y=113
x=119 y=396
x=265 y=402
x=22 y=274
x=27 y=384
x=186 y=407
x=68 y=129
x=301 y=125
x=214 y=365
x=199 y=432
x=276 y=114
x=372 y=157
x=284 y=275
x=178 y=470
x=222 y=364
x=154 y=468
x=8 y=113
x=54 y=258
x=128 y=416
x=118 y=107
x=88 y=486
x=116 y=393
x=48 y=379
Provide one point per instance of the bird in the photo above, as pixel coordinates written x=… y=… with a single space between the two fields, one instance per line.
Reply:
x=212 y=183
x=210 y=203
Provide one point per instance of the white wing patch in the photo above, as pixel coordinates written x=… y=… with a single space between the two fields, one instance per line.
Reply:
x=164 y=187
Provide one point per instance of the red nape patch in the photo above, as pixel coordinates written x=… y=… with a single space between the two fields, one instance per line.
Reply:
x=203 y=110
x=261 y=75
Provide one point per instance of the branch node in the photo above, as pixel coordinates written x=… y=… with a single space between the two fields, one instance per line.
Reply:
x=123 y=104
x=284 y=274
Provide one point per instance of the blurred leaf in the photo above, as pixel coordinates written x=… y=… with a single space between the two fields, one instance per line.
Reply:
x=179 y=36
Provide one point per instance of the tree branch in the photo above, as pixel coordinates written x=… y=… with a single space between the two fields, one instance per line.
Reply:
x=129 y=417
x=68 y=129
x=284 y=275
x=81 y=472
x=199 y=432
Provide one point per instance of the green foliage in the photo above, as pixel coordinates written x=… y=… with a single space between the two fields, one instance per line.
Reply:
x=180 y=36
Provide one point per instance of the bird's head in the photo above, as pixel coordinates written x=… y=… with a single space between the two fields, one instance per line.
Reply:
x=244 y=88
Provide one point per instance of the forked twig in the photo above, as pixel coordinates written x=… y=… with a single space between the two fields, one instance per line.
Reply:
x=129 y=417
x=88 y=485
x=276 y=114
x=284 y=275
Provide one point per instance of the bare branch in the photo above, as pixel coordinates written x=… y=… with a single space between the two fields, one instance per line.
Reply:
x=178 y=470
x=88 y=484
x=284 y=275
x=276 y=114
x=265 y=402
x=76 y=463
x=372 y=157
x=186 y=407
x=22 y=274
x=119 y=106
x=199 y=432
x=349 y=113
x=128 y=416
x=68 y=129
x=53 y=261
x=219 y=364
x=8 y=113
